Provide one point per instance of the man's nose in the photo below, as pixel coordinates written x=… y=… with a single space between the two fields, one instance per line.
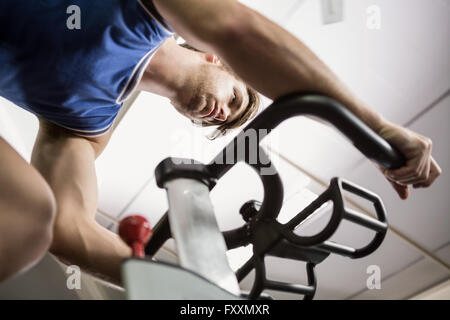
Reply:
x=223 y=114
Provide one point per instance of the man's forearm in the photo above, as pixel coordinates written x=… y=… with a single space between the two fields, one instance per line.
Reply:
x=263 y=54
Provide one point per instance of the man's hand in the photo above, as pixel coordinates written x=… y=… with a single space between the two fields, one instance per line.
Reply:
x=421 y=170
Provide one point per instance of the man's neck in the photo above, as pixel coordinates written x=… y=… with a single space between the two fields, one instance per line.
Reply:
x=167 y=71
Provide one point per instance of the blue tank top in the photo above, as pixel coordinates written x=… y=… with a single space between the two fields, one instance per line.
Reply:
x=76 y=78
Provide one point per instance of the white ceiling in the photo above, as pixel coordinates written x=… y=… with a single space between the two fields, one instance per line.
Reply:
x=400 y=70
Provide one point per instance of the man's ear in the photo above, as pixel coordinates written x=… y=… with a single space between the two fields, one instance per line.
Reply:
x=210 y=57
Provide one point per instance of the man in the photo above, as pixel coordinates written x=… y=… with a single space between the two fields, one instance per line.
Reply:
x=75 y=81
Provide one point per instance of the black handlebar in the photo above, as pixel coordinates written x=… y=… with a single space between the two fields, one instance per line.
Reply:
x=363 y=138
x=266 y=234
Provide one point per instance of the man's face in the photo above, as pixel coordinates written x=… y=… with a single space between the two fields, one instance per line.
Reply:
x=213 y=95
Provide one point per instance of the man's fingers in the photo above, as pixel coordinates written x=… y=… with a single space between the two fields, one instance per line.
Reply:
x=412 y=173
x=411 y=169
x=397 y=173
x=420 y=175
x=420 y=169
x=435 y=167
x=435 y=172
x=416 y=166
x=402 y=191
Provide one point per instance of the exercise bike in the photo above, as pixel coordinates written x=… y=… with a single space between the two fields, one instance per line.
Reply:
x=203 y=271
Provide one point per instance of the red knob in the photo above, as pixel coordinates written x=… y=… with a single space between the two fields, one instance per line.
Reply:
x=135 y=231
